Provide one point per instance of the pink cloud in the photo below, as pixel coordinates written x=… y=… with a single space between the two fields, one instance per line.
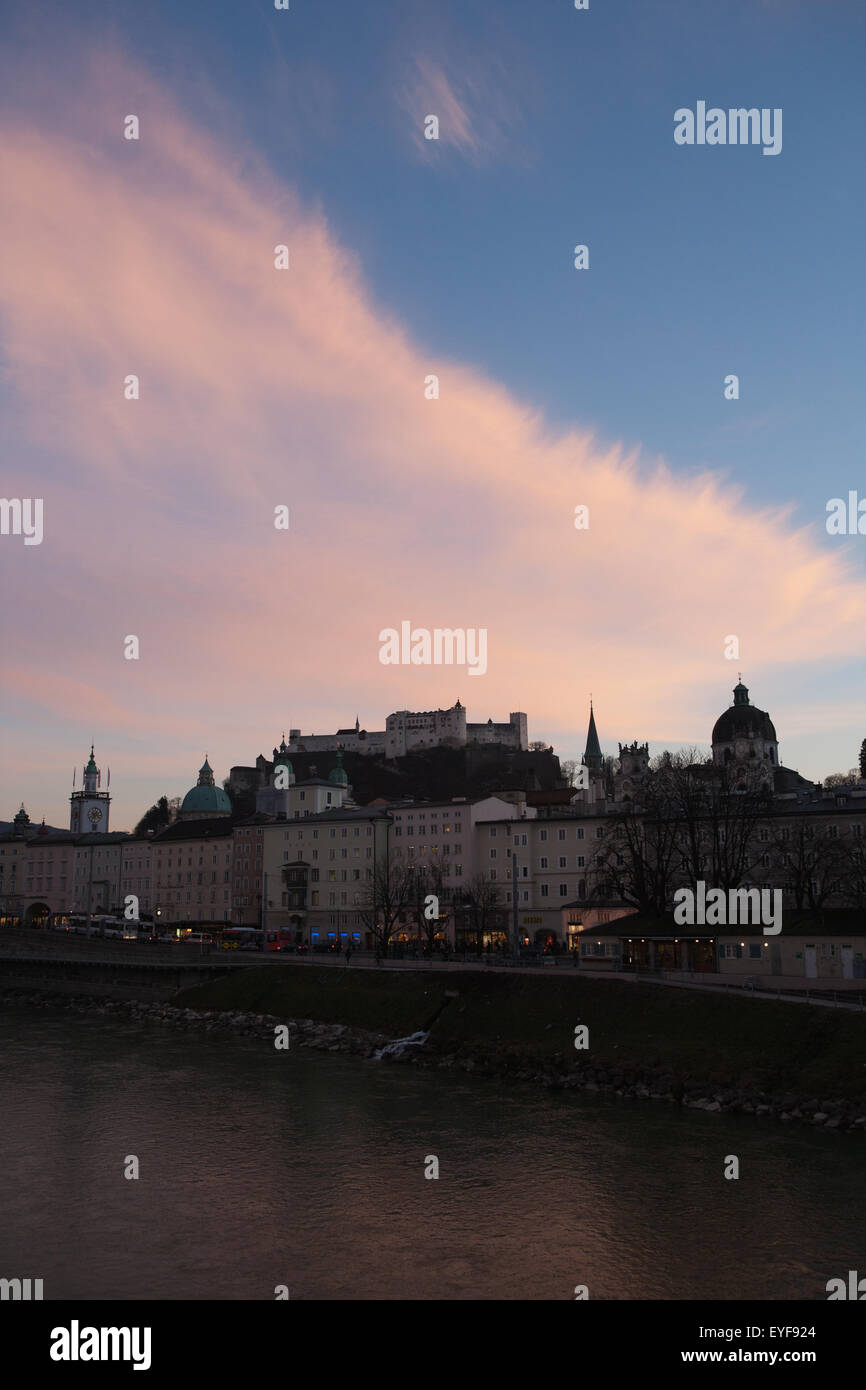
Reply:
x=261 y=387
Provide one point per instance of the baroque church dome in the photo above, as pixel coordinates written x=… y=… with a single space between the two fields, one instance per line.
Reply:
x=206 y=799
x=743 y=720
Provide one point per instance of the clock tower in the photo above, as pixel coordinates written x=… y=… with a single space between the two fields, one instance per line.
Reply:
x=89 y=807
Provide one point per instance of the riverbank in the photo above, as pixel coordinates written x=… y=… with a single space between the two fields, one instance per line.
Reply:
x=714 y=1053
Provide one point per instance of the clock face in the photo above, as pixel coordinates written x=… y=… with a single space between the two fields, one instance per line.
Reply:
x=95 y=815
x=741 y=749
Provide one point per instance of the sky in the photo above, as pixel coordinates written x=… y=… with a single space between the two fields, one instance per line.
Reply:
x=307 y=387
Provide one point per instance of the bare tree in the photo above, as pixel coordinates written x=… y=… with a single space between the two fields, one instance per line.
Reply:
x=479 y=902
x=840 y=779
x=720 y=809
x=689 y=820
x=854 y=873
x=428 y=881
x=384 y=901
x=568 y=768
x=641 y=849
x=816 y=864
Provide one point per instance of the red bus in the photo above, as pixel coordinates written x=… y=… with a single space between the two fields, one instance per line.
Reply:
x=280 y=940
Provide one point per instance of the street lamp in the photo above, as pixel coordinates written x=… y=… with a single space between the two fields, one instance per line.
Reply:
x=514 y=907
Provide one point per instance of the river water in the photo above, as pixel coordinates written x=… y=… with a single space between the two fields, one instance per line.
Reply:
x=261 y=1168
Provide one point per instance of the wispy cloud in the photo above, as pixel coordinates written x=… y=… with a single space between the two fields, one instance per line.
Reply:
x=262 y=387
x=474 y=101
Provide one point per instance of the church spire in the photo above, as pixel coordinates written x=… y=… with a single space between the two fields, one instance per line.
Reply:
x=592 y=757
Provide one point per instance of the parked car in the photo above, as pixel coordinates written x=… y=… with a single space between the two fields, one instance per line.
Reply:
x=199 y=938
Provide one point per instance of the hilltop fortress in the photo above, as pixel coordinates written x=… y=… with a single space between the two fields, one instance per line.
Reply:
x=406 y=730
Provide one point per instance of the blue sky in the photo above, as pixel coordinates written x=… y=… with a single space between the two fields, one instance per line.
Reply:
x=704 y=261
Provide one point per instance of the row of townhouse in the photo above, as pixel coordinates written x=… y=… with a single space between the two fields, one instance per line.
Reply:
x=312 y=874
x=215 y=872
x=52 y=876
x=572 y=867
x=181 y=876
x=320 y=870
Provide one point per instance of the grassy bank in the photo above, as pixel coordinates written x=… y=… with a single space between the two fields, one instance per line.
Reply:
x=721 y=1038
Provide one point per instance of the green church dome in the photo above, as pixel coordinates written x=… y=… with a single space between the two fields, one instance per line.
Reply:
x=338 y=774
x=206 y=799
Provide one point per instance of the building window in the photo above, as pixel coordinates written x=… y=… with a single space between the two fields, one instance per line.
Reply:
x=563 y=890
